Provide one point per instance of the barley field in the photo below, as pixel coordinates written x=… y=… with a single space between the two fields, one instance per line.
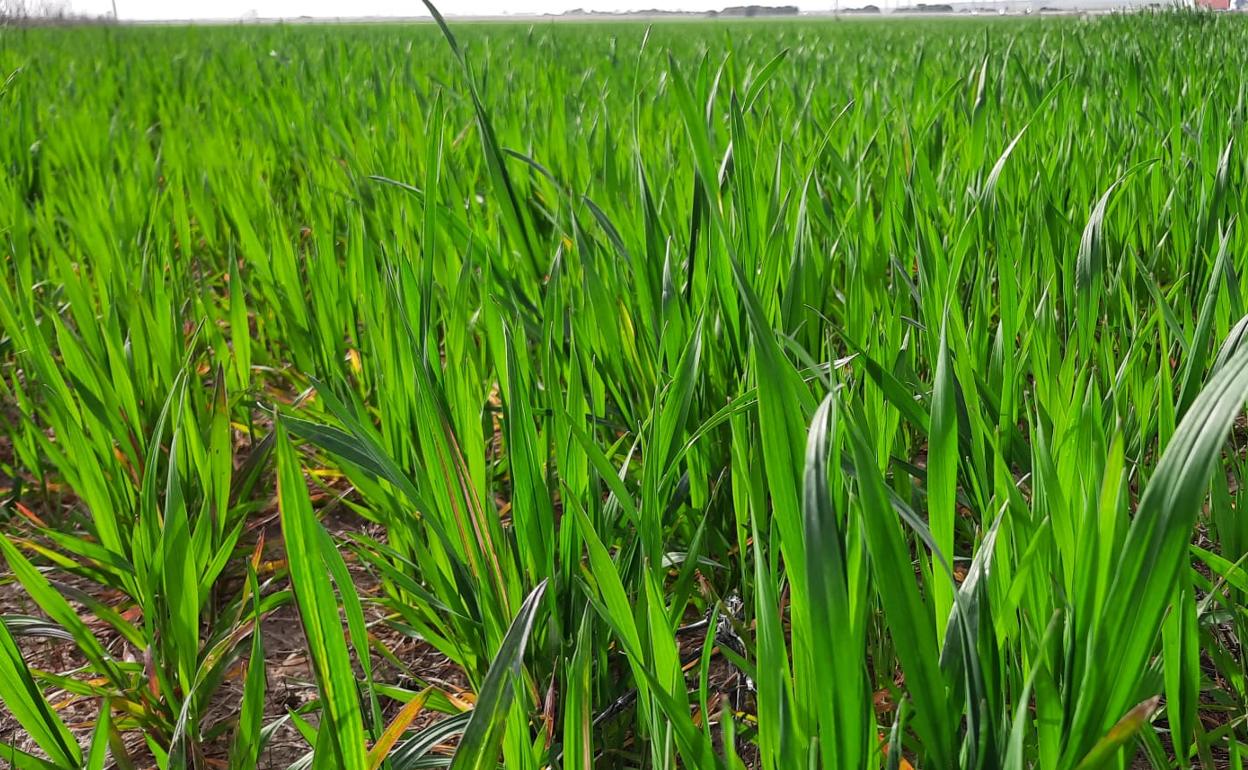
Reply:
x=775 y=394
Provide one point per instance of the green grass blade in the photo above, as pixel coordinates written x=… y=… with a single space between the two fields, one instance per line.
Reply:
x=482 y=739
x=340 y=741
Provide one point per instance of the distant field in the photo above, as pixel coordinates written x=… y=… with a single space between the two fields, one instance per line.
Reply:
x=778 y=395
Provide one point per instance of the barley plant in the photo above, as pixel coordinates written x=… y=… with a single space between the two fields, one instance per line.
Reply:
x=705 y=394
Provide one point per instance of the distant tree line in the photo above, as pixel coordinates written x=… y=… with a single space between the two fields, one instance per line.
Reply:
x=756 y=10
x=44 y=12
x=734 y=11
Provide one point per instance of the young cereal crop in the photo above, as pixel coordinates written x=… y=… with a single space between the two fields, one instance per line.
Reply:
x=776 y=394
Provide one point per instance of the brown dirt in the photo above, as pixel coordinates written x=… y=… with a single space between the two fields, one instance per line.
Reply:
x=290 y=681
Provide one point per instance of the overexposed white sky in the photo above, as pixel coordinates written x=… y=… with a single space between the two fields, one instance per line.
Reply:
x=234 y=9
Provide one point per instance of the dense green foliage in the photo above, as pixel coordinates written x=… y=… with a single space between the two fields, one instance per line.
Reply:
x=771 y=394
